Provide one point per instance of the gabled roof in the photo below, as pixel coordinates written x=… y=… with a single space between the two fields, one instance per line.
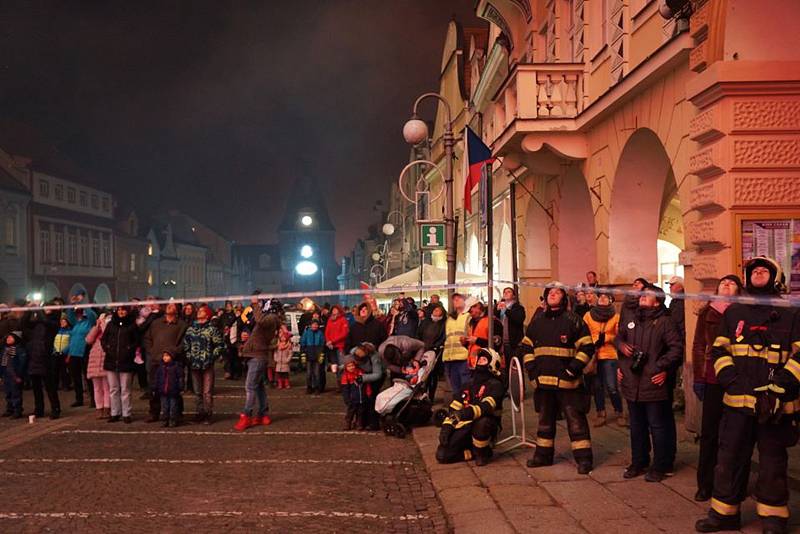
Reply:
x=9 y=183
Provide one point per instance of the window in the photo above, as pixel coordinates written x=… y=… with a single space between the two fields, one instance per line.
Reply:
x=59 y=247
x=149 y=278
x=107 y=252
x=44 y=188
x=95 y=202
x=106 y=204
x=84 y=250
x=95 y=252
x=71 y=195
x=149 y=249
x=72 y=249
x=11 y=230
x=133 y=263
x=84 y=199
x=59 y=192
x=44 y=243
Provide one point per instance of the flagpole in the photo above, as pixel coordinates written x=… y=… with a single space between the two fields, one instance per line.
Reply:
x=489 y=246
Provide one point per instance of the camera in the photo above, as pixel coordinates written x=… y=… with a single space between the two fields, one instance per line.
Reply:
x=638 y=361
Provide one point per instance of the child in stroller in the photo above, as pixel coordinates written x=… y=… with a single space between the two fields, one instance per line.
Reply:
x=405 y=403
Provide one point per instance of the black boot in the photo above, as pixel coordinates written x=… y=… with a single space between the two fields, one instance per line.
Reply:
x=482 y=455
x=584 y=467
x=539 y=461
x=715 y=522
x=774 y=525
x=348 y=419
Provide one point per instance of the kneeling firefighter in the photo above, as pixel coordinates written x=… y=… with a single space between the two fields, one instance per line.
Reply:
x=556 y=348
x=759 y=378
x=474 y=417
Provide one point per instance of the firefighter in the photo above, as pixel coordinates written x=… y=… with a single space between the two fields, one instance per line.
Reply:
x=474 y=417
x=556 y=348
x=751 y=360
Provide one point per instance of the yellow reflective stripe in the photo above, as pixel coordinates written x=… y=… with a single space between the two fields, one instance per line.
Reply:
x=793 y=367
x=724 y=509
x=527 y=341
x=582 y=444
x=545 y=443
x=480 y=443
x=456 y=405
x=528 y=358
x=795 y=347
x=583 y=357
x=559 y=352
x=585 y=340
x=467 y=454
x=723 y=342
x=764 y=510
x=554 y=381
x=739 y=401
x=476 y=411
x=722 y=363
x=490 y=401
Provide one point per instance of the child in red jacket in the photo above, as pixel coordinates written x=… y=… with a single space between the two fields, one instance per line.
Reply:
x=354 y=393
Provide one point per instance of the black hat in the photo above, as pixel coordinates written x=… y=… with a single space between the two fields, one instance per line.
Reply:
x=733 y=278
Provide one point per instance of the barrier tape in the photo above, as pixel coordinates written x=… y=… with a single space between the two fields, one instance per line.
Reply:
x=784 y=301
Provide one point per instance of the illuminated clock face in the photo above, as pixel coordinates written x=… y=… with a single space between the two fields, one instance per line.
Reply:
x=306 y=220
x=306 y=251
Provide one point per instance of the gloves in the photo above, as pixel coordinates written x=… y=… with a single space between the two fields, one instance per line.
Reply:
x=465 y=414
x=699 y=389
x=601 y=340
x=573 y=368
x=768 y=402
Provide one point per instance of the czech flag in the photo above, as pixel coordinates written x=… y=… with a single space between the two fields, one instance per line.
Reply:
x=476 y=155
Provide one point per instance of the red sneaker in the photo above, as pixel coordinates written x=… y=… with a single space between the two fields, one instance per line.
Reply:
x=245 y=422
x=265 y=421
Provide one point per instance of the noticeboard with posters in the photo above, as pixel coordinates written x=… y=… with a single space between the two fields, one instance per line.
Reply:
x=775 y=236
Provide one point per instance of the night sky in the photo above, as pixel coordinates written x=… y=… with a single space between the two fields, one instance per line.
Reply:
x=217 y=107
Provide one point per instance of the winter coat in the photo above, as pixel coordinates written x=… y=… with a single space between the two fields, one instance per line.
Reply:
x=169 y=380
x=15 y=364
x=705 y=333
x=655 y=334
x=161 y=336
x=607 y=351
x=38 y=333
x=406 y=322
x=61 y=341
x=97 y=355
x=412 y=349
x=479 y=329
x=202 y=345
x=678 y=315
x=312 y=343
x=513 y=319
x=369 y=331
x=264 y=336
x=336 y=332
x=283 y=357
x=372 y=366
x=120 y=340
x=77 y=338
x=432 y=333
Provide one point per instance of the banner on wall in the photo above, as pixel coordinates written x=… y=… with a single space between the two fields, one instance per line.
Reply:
x=778 y=239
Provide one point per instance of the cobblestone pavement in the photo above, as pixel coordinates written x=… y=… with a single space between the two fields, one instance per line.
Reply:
x=507 y=496
x=302 y=473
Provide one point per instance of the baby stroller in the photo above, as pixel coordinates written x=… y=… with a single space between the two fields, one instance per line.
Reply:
x=406 y=404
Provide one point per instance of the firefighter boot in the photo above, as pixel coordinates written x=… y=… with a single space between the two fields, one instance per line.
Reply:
x=716 y=522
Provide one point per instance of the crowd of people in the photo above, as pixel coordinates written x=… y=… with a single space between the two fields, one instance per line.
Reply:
x=578 y=347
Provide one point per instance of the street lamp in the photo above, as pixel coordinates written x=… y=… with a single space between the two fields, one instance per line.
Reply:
x=415 y=131
x=306 y=251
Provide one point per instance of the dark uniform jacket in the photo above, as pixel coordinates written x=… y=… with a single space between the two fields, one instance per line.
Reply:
x=555 y=349
x=482 y=396
x=753 y=343
x=120 y=340
x=653 y=332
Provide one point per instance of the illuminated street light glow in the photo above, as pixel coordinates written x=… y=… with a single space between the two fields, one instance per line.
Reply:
x=306 y=268
x=306 y=251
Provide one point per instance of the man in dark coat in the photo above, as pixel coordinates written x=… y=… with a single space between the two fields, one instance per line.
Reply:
x=39 y=330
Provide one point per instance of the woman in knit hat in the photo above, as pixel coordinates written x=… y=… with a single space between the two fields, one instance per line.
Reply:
x=706 y=387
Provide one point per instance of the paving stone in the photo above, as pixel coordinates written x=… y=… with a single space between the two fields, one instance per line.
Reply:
x=480 y=522
x=559 y=471
x=543 y=519
x=492 y=474
x=627 y=525
x=466 y=499
x=453 y=478
x=509 y=496
x=586 y=499
x=650 y=499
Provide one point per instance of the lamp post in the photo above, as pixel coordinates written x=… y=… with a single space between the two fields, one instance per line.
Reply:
x=415 y=131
